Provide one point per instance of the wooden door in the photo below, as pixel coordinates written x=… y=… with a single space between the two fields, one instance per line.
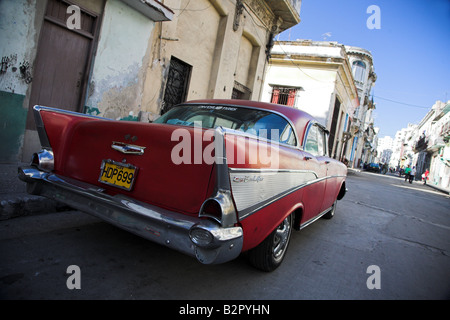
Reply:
x=61 y=67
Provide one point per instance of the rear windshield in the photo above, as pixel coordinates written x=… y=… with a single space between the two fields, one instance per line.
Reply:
x=257 y=122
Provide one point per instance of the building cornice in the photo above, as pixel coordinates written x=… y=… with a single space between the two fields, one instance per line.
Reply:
x=359 y=52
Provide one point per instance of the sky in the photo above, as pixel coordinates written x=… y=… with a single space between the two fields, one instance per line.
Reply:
x=411 y=51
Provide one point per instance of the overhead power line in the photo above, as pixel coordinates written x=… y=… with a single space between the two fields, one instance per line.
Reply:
x=403 y=103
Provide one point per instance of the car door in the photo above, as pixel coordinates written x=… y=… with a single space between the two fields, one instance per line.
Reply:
x=313 y=161
x=329 y=195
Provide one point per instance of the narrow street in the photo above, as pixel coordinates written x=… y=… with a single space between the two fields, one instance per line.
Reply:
x=398 y=229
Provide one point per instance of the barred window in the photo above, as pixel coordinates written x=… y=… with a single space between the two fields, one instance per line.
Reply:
x=284 y=95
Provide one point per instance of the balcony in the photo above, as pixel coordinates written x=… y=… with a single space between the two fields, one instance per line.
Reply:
x=287 y=10
x=421 y=144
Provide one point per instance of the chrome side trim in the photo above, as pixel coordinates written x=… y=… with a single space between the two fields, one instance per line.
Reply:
x=310 y=221
x=39 y=108
x=271 y=171
x=254 y=189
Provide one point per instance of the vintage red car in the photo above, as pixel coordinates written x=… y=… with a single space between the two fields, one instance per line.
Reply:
x=210 y=178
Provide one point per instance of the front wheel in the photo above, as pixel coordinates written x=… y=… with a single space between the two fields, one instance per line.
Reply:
x=330 y=214
x=269 y=254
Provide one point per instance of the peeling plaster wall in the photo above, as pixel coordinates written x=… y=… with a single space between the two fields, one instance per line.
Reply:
x=116 y=85
x=18 y=40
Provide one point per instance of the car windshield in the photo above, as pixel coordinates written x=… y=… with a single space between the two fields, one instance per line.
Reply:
x=257 y=122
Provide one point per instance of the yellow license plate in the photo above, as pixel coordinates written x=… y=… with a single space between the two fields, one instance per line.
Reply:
x=117 y=174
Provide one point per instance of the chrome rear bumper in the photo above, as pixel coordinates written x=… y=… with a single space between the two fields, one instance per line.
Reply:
x=202 y=238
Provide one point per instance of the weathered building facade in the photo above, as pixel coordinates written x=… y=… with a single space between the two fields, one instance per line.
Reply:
x=430 y=146
x=362 y=133
x=72 y=55
x=426 y=146
x=315 y=76
x=128 y=59
x=213 y=49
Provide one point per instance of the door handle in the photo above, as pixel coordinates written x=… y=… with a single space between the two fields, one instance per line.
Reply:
x=307 y=158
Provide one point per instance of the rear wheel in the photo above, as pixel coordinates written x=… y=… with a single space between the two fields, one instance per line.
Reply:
x=269 y=254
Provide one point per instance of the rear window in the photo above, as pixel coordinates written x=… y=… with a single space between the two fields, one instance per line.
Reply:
x=261 y=123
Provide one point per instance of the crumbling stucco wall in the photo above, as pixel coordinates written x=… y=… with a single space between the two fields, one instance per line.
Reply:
x=115 y=88
x=20 y=21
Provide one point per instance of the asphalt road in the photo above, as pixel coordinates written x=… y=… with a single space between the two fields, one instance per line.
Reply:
x=388 y=240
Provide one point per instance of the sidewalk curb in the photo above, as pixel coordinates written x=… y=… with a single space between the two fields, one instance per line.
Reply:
x=14 y=199
x=351 y=171
x=23 y=204
x=438 y=188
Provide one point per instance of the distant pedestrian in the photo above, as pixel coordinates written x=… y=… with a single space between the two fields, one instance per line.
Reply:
x=407 y=172
x=412 y=174
x=425 y=176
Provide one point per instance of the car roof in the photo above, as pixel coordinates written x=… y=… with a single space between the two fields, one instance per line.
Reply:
x=299 y=118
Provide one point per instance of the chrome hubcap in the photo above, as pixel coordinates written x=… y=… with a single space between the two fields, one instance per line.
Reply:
x=281 y=238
